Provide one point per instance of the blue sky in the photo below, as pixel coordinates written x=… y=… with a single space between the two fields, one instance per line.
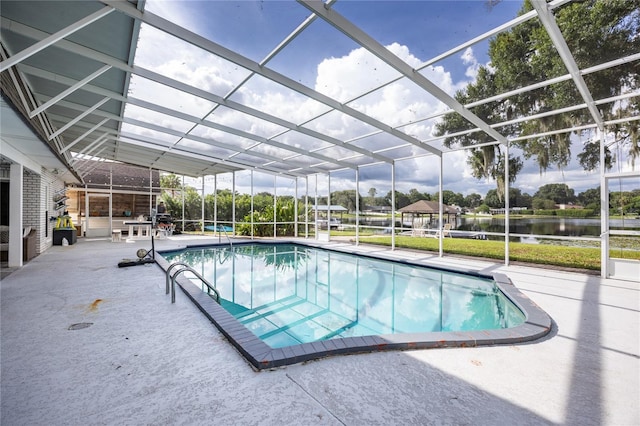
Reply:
x=326 y=60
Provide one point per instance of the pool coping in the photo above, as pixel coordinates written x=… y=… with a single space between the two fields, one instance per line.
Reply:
x=537 y=322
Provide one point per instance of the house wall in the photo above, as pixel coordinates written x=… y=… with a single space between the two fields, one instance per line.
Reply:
x=43 y=209
x=135 y=204
x=31 y=205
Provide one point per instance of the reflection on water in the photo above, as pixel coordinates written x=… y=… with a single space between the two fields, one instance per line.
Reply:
x=289 y=294
x=545 y=226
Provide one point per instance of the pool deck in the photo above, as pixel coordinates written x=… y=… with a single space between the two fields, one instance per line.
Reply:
x=145 y=361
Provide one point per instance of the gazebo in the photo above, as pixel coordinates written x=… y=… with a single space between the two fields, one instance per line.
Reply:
x=419 y=210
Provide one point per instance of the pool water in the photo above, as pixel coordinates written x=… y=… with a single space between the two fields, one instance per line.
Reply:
x=288 y=294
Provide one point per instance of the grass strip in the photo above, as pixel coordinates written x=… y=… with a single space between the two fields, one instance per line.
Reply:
x=572 y=257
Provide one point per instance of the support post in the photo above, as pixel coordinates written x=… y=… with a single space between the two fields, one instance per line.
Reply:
x=506 y=205
x=16 y=186
x=604 y=209
x=393 y=205
x=440 y=208
x=357 y=206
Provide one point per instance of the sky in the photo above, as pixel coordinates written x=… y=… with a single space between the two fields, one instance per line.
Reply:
x=331 y=63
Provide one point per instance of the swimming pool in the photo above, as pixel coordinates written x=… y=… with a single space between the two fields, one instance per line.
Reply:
x=284 y=303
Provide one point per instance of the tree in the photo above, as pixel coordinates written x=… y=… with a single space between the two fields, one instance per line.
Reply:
x=519 y=199
x=170 y=182
x=284 y=212
x=372 y=195
x=516 y=199
x=346 y=199
x=415 y=195
x=560 y=193
x=402 y=200
x=450 y=198
x=493 y=200
x=526 y=55
x=192 y=203
x=543 y=204
x=472 y=200
x=590 y=198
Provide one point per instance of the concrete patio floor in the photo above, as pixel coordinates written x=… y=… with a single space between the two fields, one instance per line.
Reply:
x=146 y=361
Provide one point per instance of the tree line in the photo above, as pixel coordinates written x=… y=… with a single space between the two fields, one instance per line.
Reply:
x=547 y=197
x=596 y=32
x=261 y=208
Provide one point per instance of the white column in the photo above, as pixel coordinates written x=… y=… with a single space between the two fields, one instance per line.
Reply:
x=295 y=209
x=306 y=207
x=329 y=204
x=393 y=205
x=316 y=209
x=182 y=192
x=86 y=211
x=111 y=200
x=16 y=186
x=215 y=203
x=252 y=222
x=604 y=209
x=275 y=204
x=357 y=206
x=233 y=202
x=202 y=206
x=506 y=205
x=441 y=207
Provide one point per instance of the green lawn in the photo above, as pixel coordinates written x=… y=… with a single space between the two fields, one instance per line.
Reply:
x=574 y=257
x=551 y=252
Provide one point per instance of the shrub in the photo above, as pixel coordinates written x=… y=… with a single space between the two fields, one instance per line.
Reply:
x=575 y=213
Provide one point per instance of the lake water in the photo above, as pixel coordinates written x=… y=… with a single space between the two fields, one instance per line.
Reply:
x=557 y=226
x=571 y=227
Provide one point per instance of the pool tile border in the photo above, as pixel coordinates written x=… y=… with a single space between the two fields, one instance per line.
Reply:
x=537 y=323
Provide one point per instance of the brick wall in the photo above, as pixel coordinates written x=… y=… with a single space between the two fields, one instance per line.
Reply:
x=38 y=205
x=31 y=200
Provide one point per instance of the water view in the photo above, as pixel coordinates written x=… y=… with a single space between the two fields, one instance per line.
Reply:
x=555 y=226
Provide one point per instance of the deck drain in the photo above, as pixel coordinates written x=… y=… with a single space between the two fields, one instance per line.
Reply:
x=80 y=326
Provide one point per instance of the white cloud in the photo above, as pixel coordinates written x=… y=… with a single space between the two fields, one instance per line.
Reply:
x=342 y=78
x=469 y=59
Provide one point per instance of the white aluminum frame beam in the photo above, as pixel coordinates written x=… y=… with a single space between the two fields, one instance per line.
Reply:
x=79 y=117
x=70 y=90
x=138 y=140
x=363 y=39
x=53 y=38
x=158 y=78
x=195 y=120
x=211 y=142
x=218 y=50
x=84 y=135
x=233 y=131
x=549 y=22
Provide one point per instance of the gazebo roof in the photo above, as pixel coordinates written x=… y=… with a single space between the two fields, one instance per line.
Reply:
x=427 y=207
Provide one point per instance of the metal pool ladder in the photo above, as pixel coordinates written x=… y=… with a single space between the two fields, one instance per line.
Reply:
x=220 y=227
x=184 y=268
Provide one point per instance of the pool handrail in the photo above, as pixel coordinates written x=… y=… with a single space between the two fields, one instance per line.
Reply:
x=221 y=227
x=185 y=268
